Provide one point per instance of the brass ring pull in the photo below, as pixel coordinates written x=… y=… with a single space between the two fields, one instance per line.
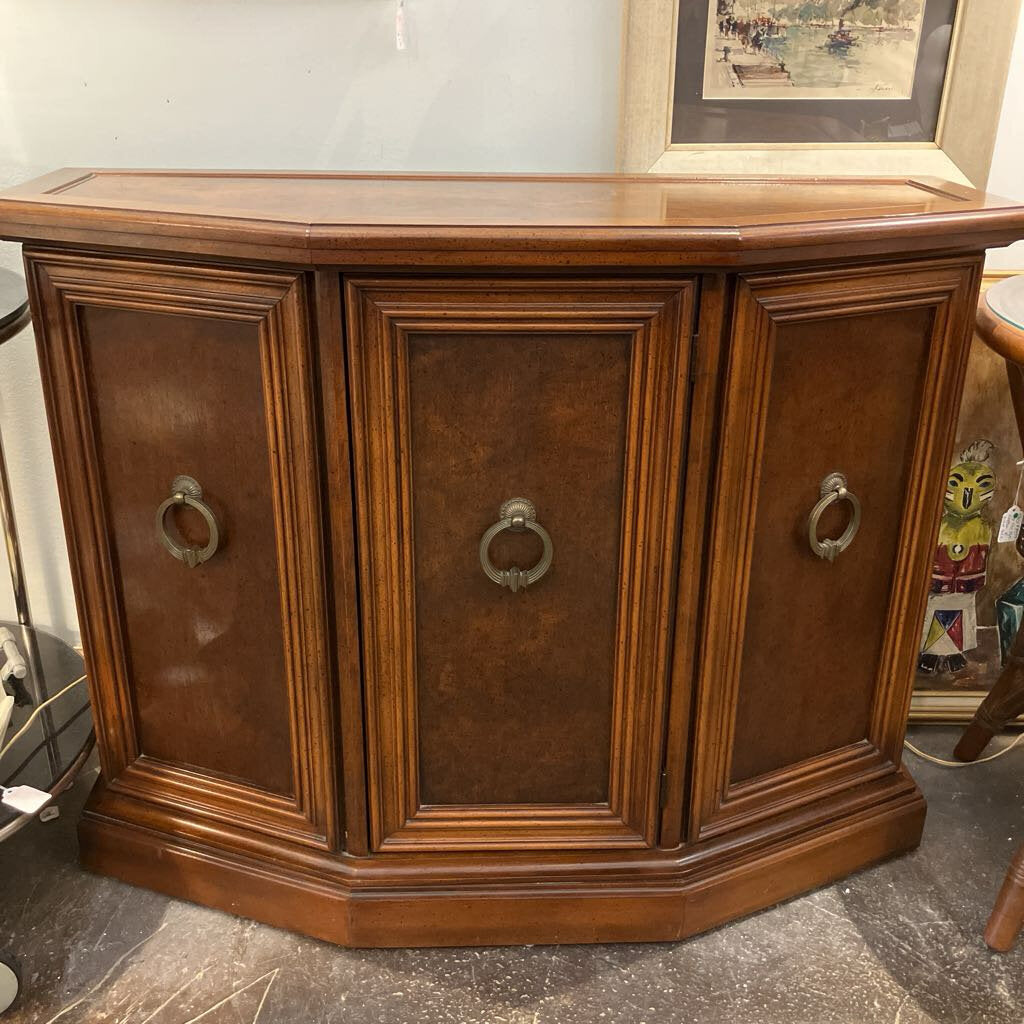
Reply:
x=185 y=491
x=517 y=514
x=833 y=489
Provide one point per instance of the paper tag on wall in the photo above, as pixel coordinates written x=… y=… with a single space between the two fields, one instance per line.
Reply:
x=400 y=40
x=25 y=799
x=1009 y=525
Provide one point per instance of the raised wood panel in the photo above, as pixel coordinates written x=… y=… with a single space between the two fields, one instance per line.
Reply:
x=807 y=665
x=183 y=627
x=806 y=619
x=211 y=684
x=576 y=392
x=511 y=707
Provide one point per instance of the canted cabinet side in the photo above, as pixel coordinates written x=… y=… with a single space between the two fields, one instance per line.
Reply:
x=210 y=681
x=808 y=662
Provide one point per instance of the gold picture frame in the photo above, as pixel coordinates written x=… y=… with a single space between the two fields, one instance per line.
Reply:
x=977 y=67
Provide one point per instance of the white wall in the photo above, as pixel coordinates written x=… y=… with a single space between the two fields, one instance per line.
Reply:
x=1007 y=175
x=483 y=85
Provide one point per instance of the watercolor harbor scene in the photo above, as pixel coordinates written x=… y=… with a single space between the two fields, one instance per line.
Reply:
x=816 y=49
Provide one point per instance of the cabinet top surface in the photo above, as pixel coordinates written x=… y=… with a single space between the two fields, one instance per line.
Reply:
x=323 y=211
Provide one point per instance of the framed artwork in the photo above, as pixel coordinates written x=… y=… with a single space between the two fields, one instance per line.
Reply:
x=801 y=51
x=907 y=87
x=969 y=623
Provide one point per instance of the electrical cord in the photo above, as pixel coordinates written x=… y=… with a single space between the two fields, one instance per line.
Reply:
x=961 y=764
x=35 y=714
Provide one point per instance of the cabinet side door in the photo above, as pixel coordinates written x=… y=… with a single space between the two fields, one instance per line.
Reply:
x=839 y=405
x=209 y=680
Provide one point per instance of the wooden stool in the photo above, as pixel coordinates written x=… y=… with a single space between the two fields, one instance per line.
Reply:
x=1001 y=327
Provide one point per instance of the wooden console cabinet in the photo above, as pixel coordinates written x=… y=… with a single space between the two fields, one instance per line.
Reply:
x=702 y=428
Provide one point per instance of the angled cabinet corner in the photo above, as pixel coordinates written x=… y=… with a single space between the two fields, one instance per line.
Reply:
x=180 y=411
x=836 y=427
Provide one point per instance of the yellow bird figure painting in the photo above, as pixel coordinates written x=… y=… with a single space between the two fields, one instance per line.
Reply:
x=961 y=562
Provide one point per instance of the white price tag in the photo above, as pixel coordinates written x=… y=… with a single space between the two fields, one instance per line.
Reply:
x=1009 y=525
x=25 y=799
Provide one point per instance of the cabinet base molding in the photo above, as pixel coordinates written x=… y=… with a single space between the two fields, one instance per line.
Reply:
x=722 y=888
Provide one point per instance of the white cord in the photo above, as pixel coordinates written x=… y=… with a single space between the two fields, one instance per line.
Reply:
x=962 y=764
x=35 y=714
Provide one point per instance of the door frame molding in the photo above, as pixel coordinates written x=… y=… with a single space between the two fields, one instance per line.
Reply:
x=763 y=302
x=658 y=316
x=274 y=303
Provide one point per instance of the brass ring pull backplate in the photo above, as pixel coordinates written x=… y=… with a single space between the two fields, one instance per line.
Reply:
x=517 y=514
x=833 y=489
x=186 y=491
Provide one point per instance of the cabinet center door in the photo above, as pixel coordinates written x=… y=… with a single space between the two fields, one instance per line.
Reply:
x=517 y=449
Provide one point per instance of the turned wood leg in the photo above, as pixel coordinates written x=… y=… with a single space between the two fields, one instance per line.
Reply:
x=1008 y=912
x=1003 y=704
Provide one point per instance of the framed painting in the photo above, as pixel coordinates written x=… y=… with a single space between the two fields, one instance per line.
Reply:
x=966 y=634
x=814 y=86
x=804 y=51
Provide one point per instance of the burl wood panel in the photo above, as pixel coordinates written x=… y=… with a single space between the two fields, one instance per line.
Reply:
x=844 y=395
x=204 y=644
x=514 y=691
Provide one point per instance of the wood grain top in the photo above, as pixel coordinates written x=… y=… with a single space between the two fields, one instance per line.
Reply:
x=307 y=216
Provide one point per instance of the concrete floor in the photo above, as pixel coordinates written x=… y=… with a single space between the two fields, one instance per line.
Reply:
x=898 y=943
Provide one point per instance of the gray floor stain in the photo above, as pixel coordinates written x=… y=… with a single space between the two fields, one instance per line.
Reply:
x=899 y=943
